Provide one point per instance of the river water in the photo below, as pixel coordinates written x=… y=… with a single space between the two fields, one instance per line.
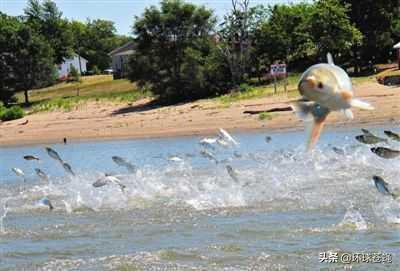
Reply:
x=284 y=208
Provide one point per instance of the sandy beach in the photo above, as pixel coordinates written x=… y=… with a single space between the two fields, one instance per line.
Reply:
x=100 y=121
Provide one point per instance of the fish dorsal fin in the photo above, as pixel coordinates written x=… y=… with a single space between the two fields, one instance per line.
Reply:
x=329 y=57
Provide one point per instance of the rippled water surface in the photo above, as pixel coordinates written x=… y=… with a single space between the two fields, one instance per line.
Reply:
x=280 y=211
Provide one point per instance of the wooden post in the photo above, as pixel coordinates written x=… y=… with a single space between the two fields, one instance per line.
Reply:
x=275 y=90
x=285 y=84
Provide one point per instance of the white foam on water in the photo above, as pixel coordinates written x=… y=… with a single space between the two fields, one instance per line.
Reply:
x=353 y=220
x=322 y=179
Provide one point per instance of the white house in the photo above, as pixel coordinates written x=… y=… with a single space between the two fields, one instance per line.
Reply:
x=397 y=47
x=120 y=59
x=65 y=67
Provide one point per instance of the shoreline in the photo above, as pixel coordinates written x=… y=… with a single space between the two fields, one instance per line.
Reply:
x=104 y=122
x=272 y=131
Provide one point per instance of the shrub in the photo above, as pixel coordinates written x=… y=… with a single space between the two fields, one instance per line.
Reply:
x=96 y=70
x=74 y=75
x=264 y=116
x=244 y=87
x=2 y=108
x=12 y=113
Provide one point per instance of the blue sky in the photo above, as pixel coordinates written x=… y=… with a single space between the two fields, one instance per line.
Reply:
x=121 y=12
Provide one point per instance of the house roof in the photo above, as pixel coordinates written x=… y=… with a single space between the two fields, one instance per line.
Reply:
x=397 y=46
x=126 y=49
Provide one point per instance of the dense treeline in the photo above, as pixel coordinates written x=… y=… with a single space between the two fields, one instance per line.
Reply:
x=183 y=52
x=33 y=44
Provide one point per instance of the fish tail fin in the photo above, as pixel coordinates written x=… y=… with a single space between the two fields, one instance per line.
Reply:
x=361 y=104
x=312 y=111
x=316 y=130
x=330 y=58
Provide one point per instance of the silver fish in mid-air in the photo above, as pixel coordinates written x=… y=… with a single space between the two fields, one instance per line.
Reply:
x=383 y=187
x=68 y=168
x=31 y=158
x=369 y=139
x=392 y=135
x=43 y=176
x=53 y=154
x=46 y=202
x=367 y=132
x=18 y=172
x=208 y=155
x=327 y=88
x=124 y=163
x=232 y=173
x=338 y=150
x=226 y=136
x=208 y=140
x=237 y=154
x=174 y=158
x=107 y=179
x=385 y=152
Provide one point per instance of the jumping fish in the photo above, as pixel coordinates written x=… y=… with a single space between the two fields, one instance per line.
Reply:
x=385 y=152
x=43 y=176
x=208 y=155
x=174 y=158
x=31 y=158
x=383 y=187
x=366 y=132
x=225 y=135
x=232 y=173
x=124 y=163
x=53 y=154
x=338 y=150
x=46 y=202
x=18 y=172
x=68 y=168
x=392 y=135
x=369 y=139
x=107 y=179
x=208 y=140
x=325 y=88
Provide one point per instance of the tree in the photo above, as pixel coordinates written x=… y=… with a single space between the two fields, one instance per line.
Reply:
x=377 y=21
x=34 y=64
x=285 y=36
x=237 y=35
x=100 y=39
x=46 y=19
x=175 y=50
x=301 y=34
x=8 y=26
x=331 y=28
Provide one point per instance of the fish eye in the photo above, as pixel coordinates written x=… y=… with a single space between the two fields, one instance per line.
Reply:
x=320 y=85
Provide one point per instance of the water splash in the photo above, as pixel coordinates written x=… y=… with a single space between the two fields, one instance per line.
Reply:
x=353 y=220
x=3 y=216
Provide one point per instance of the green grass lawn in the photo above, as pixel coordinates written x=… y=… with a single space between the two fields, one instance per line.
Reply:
x=103 y=88
x=92 y=88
